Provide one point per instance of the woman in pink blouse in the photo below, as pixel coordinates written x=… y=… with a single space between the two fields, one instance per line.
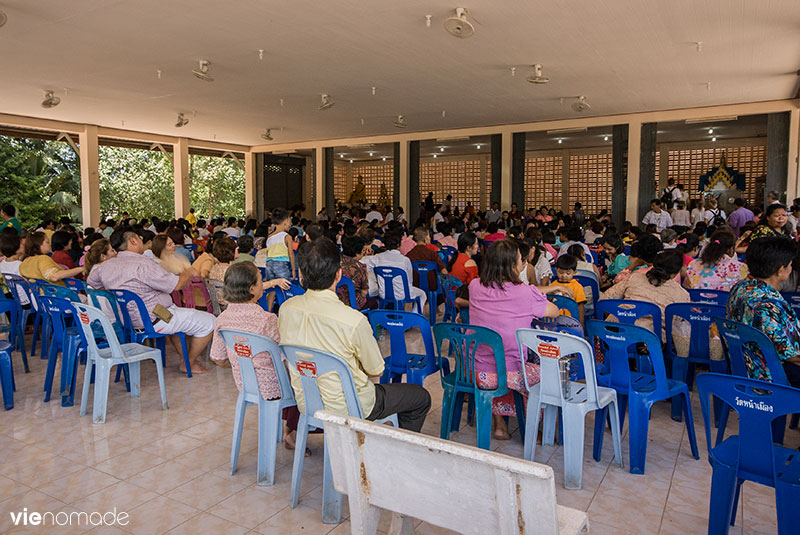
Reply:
x=243 y=288
x=499 y=301
x=717 y=268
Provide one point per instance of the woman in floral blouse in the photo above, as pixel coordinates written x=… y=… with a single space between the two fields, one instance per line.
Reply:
x=772 y=224
x=717 y=268
x=757 y=302
x=353 y=249
x=243 y=288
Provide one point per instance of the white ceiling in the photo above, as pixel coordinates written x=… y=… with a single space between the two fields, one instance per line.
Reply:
x=623 y=56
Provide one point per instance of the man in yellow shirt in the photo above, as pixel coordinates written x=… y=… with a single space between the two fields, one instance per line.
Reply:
x=319 y=320
x=191 y=218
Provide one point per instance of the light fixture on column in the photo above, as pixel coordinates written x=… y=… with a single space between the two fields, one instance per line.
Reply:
x=441 y=149
x=384 y=158
x=559 y=141
x=202 y=71
x=50 y=100
x=351 y=161
x=710 y=131
x=714 y=138
x=605 y=138
x=478 y=146
x=434 y=155
x=327 y=102
x=182 y=121
x=371 y=153
x=341 y=156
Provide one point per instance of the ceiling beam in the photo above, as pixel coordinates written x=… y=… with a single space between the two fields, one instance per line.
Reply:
x=753 y=108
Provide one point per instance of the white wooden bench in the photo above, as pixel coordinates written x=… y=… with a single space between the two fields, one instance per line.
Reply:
x=444 y=483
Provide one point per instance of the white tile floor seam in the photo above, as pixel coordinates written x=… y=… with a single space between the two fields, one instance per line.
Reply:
x=173 y=466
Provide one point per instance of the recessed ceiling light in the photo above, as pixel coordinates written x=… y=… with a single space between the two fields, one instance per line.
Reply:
x=479 y=146
x=559 y=141
x=710 y=131
x=341 y=156
x=371 y=153
x=351 y=161
x=714 y=138
x=434 y=155
x=605 y=138
x=441 y=149
x=384 y=158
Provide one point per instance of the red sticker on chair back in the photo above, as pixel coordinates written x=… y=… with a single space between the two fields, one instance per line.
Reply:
x=243 y=350
x=548 y=350
x=84 y=318
x=307 y=368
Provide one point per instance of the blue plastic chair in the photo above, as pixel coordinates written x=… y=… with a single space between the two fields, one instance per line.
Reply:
x=293 y=291
x=311 y=364
x=423 y=268
x=711 y=297
x=263 y=271
x=101 y=360
x=699 y=316
x=75 y=285
x=793 y=298
x=743 y=343
x=66 y=339
x=449 y=285
x=416 y=367
x=270 y=425
x=390 y=300
x=463 y=341
x=192 y=248
x=6 y=375
x=447 y=254
x=566 y=304
x=15 y=331
x=627 y=311
x=62 y=292
x=581 y=399
x=277 y=300
x=19 y=287
x=347 y=284
x=128 y=302
x=751 y=454
x=638 y=390
x=590 y=281
x=35 y=286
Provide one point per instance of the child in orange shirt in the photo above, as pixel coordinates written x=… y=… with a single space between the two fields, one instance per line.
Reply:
x=567 y=268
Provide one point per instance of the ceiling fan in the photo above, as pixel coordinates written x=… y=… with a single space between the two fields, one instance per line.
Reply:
x=50 y=100
x=202 y=71
x=182 y=121
x=400 y=122
x=327 y=102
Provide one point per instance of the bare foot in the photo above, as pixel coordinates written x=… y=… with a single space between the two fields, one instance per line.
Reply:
x=499 y=434
x=289 y=442
x=197 y=369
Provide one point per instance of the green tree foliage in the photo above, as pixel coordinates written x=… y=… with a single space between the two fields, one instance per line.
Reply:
x=136 y=181
x=40 y=178
x=217 y=185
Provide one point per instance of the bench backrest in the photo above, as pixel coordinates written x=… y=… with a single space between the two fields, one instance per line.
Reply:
x=444 y=483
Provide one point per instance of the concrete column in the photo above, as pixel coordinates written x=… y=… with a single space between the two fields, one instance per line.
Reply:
x=90 y=177
x=483 y=184
x=505 y=180
x=634 y=158
x=647 y=168
x=403 y=191
x=565 y=169
x=180 y=153
x=319 y=179
x=330 y=198
x=793 y=187
x=518 y=170
x=619 y=169
x=250 y=184
x=663 y=168
x=497 y=170
x=413 y=208
x=777 y=153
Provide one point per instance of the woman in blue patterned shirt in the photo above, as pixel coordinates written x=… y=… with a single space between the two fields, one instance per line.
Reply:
x=757 y=302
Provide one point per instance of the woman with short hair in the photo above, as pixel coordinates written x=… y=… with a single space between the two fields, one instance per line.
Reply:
x=243 y=288
x=772 y=224
x=757 y=302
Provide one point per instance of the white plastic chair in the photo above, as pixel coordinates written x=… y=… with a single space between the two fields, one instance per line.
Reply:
x=582 y=399
x=104 y=359
x=270 y=425
x=310 y=365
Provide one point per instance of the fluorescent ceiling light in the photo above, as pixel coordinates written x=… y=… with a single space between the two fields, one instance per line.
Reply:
x=712 y=119
x=459 y=138
x=567 y=130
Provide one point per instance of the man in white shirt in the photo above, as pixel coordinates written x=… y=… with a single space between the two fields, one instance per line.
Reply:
x=494 y=215
x=392 y=257
x=232 y=229
x=374 y=214
x=656 y=216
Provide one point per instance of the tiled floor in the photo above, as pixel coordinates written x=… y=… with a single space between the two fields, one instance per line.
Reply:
x=170 y=469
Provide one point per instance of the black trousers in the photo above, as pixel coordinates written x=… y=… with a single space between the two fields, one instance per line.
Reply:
x=411 y=403
x=792 y=373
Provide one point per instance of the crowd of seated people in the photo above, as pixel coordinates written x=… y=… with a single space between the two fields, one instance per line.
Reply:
x=508 y=265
